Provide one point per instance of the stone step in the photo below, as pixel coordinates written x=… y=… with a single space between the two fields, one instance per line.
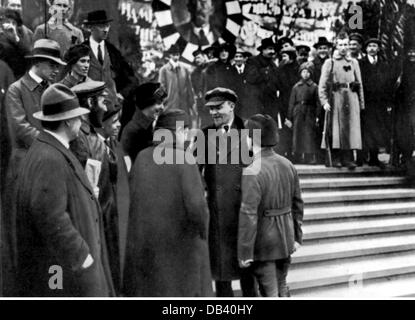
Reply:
x=350 y=270
x=358 y=227
x=360 y=182
x=402 y=286
x=363 y=210
x=357 y=195
x=322 y=171
x=360 y=246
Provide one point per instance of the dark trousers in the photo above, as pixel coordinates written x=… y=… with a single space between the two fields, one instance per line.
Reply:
x=248 y=286
x=272 y=277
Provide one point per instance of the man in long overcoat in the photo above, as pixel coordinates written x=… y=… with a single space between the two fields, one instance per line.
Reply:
x=223 y=180
x=378 y=86
x=21 y=101
x=345 y=105
x=61 y=246
x=265 y=66
x=174 y=76
x=167 y=249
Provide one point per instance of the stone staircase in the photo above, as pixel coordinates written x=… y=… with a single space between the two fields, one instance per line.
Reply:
x=359 y=235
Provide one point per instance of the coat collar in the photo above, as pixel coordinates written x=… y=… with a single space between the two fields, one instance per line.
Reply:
x=29 y=82
x=69 y=156
x=309 y=82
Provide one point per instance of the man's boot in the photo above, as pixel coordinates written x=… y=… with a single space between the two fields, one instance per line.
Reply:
x=347 y=159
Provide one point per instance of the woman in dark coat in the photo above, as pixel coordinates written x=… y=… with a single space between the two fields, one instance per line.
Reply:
x=220 y=73
x=302 y=115
x=167 y=250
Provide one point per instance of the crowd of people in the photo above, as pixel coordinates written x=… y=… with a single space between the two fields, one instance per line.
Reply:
x=81 y=189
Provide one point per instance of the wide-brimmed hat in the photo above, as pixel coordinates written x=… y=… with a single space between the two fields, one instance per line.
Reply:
x=322 y=41
x=97 y=17
x=59 y=103
x=373 y=40
x=75 y=53
x=266 y=43
x=47 y=49
x=217 y=96
x=268 y=127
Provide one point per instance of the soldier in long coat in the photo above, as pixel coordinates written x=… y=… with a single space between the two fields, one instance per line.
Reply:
x=345 y=104
x=59 y=222
x=223 y=181
x=167 y=249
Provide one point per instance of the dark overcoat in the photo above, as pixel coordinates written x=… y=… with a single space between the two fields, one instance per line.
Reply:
x=272 y=209
x=137 y=135
x=59 y=223
x=267 y=85
x=167 y=249
x=198 y=78
x=223 y=183
x=219 y=74
x=303 y=112
x=378 y=90
x=248 y=91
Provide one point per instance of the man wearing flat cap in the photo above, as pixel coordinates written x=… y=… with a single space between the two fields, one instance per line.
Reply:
x=59 y=223
x=356 y=45
x=97 y=157
x=265 y=66
x=59 y=28
x=138 y=133
x=21 y=101
x=107 y=63
x=174 y=76
x=377 y=86
x=167 y=247
x=271 y=212
x=223 y=180
x=78 y=61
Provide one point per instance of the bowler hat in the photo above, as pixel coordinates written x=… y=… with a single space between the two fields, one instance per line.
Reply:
x=59 y=103
x=267 y=43
x=356 y=36
x=322 y=41
x=174 y=49
x=148 y=94
x=170 y=118
x=75 y=53
x=89 y=88
x=373 y=40
x=219 y=95
x=97 y=17
x=47 y=49
x=268 y=127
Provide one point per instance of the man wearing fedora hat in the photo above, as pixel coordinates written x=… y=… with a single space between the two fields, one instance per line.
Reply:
x=322 y=47
x=267 y=70
x=271 y=212
x=107 y=63
x=22 y=100
x=378 y=90
x=59 y=28
x=59 y=223
x=174 y=76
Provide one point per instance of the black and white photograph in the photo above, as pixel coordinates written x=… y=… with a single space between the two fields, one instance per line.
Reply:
x=220 y=149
